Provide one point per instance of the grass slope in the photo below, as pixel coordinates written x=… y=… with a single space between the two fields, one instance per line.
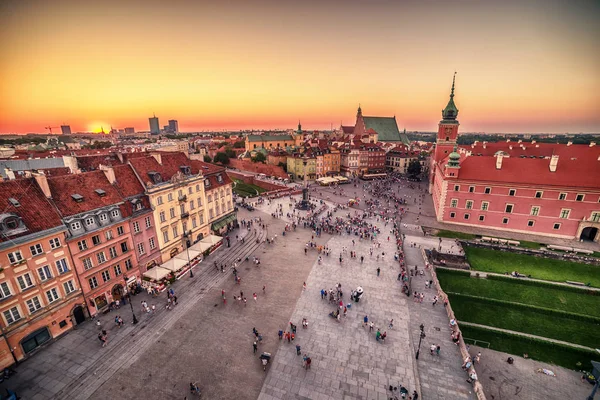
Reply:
x=538 y=267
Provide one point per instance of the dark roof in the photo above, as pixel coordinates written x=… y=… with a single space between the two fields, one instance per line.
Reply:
x=85 y=184
x=127 y=183
x=92 y=162
x=386 y=128
x=347 y=129
x=37 y=213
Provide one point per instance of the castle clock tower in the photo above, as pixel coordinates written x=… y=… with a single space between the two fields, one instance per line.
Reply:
x=447 y=128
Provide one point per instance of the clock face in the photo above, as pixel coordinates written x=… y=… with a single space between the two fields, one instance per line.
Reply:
x=448 y=131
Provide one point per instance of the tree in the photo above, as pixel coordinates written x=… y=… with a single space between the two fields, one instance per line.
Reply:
x=230 y=153
x=239 y=145
x=222 y=158
x=282 y=165
x=207 y=158
x=414 y=168
x=259 y=157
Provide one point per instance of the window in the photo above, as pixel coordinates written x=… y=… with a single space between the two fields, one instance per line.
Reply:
x=182 y=208
x=124 y=247
x=114 y=213
x=556 y=227
x=128 y=265
x=162 y=216
x=488 y=190
x=152 y=244
x=109 y=235
x=201 y=219
x=61 y=266
x=54 y=243
x=466 y=216
x=192 y=205
x=509 y=208
x=172 y=212
x=87 y=263
x=190 y=190
x=564 y=213
x=75 y=225
x=210 y=198
x=211 y=214
x=535 y=211
x=184 y=227
x=469 y=204
x=580 y=197
x=140 y=248
x=89 y=221
x=33 y=304
x=538 y=194
x=112 y=252
x=471 y=189
x=562 y=196
x=93 y=282
x=15 y=257
x=106 y=276
x=52 y=295
x=82 y=245
x=194 y=224
x=101 y=257
x=120 y=230
x=485 y=205
x=25 y=281
x=217 y=209
x=595 y=217
x=69 y=287
x=136 y=227
x=452 y=215
x=170 y=197
x=175 y=232
x=197 y=188
x=96 y=240
x=117 y=269
x=103 y=217
x=530 y=222
x=12 y=315
x=159 y=200
x=36 y=249
x=199 y=202
x=456 y=188
x=4 y=290
x=148 y=222
x=505 y=221
x=45 y=273
x=512 y=192
x=482 y=217
x=166 y=236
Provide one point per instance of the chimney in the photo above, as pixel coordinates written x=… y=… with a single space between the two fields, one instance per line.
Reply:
x=533 y=142
x=520 y=141
x=109 y=172
x=569 y=143
x=42 y=182
x=484 y=144
x=499 y=158
x=510 y=147
x=553 y=163
x=157 y=157
x=592 y=144
x=10 y=175
x=71 y=163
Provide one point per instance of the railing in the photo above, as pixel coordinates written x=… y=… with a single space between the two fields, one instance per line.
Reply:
x=475 y=342
x=183 y=197
x=185 y=214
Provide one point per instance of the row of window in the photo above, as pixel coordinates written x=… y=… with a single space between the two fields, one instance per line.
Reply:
x=36 y=250
x=505 y=220
x=141 y=248
x=101 y=256
x=106 y=274
x=180 y=193
x=136 y=225
x=90 y=222
x=96 y=240
x=534 y=211
x=513 y=192
x=34 y=304
x=25 y=281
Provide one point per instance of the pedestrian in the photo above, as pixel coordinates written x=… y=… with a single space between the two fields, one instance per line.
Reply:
x=280 y=334
x=391 y=324
x=322 y=294
x=255 y=347
x=378 y=271
x=478 y=358
x=365 y=320
x=437 y=350
x=308 y=362
x=245 y=302
x=254 y=296
x=435 y=300
x=297 y=349
x=264 y=289
x=371 y=325
x=432 y=349
x=304 y=286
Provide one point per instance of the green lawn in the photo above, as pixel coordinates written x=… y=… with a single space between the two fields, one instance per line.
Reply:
x=529 y=245
x=514 y=291
x=538 y=267
x=531 y=321
x=454 y=235
x=537 y=350
x=246 y=190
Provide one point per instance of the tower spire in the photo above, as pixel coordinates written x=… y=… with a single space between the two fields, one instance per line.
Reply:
x=450 y=112
x=453 y=80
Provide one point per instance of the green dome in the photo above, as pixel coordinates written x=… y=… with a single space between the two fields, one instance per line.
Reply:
x=454 y=156
x=450 y=112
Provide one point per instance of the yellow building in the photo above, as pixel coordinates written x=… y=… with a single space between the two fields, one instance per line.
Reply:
x=269 y=142
x=295 y=166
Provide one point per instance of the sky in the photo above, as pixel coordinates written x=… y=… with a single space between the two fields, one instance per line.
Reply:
x=522 y=66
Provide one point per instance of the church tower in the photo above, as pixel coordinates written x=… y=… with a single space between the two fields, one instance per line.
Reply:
x=447 y=128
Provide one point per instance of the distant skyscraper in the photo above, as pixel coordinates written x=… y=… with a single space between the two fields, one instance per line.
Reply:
x=173 y=126
x=65 y=129
x=130 y=130
x=154 y=126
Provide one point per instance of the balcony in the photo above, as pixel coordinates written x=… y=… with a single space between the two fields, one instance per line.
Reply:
x=183 y=197
x=185 y=215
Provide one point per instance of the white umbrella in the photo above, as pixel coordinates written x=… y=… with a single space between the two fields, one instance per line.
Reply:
x=156 y=273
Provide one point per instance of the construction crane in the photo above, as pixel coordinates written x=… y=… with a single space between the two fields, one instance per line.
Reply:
x=50 y=128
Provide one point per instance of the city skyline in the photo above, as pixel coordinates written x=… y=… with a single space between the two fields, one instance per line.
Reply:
x=523 y=67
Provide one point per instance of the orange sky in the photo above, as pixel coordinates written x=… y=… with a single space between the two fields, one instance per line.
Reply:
x=523 y=66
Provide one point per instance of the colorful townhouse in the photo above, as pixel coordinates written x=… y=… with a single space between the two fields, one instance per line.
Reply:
x=40 y=296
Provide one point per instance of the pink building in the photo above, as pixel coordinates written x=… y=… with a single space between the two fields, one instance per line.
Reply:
x=538 y=188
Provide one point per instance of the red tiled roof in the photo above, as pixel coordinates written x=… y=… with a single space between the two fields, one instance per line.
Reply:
x=37 y=213
x=84 y=184
x=535 y=149
x=56 y=171
x=127 y=183
x=270 y=170
x=92 y=162
x=569 y=173
x=347 y=129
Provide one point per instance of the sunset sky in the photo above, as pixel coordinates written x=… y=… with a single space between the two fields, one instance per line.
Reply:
x=523 y=66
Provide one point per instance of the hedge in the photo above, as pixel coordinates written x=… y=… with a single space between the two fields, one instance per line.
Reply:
x=452 y=271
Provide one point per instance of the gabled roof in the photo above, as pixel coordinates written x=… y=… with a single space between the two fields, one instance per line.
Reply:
x=386 y=128
x=92 y=162
x=85 y=184
x=127 y=183
x=347 y=129
x=36 y=212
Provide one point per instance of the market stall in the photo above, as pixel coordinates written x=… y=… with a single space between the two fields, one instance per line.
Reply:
x=157 y=278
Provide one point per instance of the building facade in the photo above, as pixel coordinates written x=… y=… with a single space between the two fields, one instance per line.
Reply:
x=40 y=297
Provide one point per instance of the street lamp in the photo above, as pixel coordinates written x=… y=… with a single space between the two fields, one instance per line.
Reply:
x=421 y=337
x=596 y=373
x=135 y=320
x=186 y=234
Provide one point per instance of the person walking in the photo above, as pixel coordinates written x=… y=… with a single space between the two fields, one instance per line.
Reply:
x=371 y=326
x=255 y=347
x=298 y=349
x=378 y=271
x=365 y=321
x=435 y=300
x=391 y=324
x=254 y=296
